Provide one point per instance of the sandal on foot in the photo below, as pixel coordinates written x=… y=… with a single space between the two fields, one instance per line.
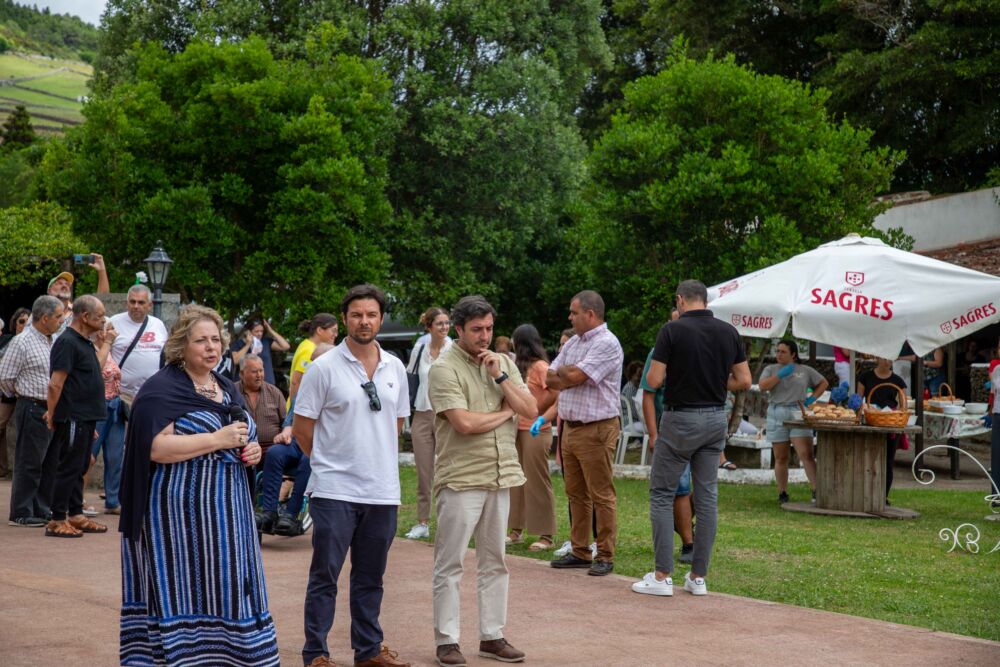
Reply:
x=728 y=465
x=61 y=529
x=543 y=544
x=87 y=525
x=515 y=537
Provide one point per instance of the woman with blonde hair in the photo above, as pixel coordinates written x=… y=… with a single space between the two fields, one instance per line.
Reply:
x=192 y=579
x=436 y=323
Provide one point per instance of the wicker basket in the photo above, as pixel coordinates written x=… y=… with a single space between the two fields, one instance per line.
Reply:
x=951 y=399
x=895 y=419
x=814 y=421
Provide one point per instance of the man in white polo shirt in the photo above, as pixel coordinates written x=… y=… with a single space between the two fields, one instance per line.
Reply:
x=349 y=412
x=140 y=340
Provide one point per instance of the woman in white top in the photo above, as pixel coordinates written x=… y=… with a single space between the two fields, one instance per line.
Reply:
x=436 y=322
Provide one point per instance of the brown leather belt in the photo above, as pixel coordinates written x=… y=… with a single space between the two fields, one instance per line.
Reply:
x=576 y=424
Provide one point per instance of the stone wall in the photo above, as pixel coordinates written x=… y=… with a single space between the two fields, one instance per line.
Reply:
x=117 y=302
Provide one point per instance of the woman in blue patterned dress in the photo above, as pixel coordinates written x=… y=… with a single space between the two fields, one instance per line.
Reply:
x=192 y=580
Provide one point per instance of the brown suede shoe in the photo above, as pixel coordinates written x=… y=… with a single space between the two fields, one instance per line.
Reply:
x=499 y=649
x=322 y=661
x=448 y=655
x=384 y=657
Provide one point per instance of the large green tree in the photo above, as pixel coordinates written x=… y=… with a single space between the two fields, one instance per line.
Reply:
x=709 y=171
x=488 y=156
x=923 y=74
x=34 y=238
x=264 y=179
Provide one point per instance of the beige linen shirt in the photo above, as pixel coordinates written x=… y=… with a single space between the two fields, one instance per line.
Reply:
x=480 y=460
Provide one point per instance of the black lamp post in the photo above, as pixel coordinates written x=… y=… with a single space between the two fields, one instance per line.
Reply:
x=158 y=263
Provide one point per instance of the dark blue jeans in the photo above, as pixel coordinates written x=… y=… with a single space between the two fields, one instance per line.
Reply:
x=111 y=438
x=367 y=530
x=279 y=459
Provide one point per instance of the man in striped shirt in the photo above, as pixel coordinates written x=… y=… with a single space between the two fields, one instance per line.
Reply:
x=586 y=372
x=24 y=372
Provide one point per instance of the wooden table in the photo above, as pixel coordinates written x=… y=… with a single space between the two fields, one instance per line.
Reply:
x=850 y=471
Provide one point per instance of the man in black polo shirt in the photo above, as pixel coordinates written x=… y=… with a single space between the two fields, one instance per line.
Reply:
x=75 y=405
x=701 y=359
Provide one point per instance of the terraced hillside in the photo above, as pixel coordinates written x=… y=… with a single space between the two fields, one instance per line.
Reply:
x=51 y=89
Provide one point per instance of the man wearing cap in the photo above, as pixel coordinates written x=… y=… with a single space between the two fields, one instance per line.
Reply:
x=61 y=287
x=24 y=372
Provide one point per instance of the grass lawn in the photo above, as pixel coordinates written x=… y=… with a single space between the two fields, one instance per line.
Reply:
x=896 y=571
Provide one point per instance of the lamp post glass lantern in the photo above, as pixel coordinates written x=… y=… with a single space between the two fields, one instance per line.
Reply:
x=158 y=264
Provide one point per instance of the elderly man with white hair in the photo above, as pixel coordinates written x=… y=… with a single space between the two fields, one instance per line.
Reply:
x=140 y=340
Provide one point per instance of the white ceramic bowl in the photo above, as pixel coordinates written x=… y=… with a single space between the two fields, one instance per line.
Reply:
x=976 y=408
x=952 y=409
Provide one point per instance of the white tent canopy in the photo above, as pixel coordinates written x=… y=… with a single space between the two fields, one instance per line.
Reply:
x=861 y=294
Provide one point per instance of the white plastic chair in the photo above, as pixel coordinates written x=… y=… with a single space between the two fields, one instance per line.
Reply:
x=631 y=427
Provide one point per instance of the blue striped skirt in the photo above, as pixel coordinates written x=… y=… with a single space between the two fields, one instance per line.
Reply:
x=193 y=584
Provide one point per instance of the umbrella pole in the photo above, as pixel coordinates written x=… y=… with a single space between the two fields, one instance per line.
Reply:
x=918 y=395
x=852 y=376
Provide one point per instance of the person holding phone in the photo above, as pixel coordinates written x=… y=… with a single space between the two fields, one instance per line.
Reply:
x=259 y=338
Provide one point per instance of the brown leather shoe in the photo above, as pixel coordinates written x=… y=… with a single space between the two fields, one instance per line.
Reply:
x=499 y=649
x=322 y=661
x=448 y=655
x=385 y=657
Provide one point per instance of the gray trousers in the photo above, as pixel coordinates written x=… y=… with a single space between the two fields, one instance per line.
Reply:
x=686 y=437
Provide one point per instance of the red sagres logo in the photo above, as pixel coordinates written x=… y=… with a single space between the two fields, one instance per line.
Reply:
x=148 y=337
x=969 y=317
x=763 y=322
x=729 y=287
x=854 y=278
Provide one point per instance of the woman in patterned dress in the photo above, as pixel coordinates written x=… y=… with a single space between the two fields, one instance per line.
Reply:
x=192 y=580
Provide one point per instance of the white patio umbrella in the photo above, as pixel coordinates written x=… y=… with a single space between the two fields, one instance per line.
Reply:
x=861 y=294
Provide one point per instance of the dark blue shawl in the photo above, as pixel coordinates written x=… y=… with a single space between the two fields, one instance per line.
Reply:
x=164 y=398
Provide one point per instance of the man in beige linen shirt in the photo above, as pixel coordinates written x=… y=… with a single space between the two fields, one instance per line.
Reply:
x=475 y=394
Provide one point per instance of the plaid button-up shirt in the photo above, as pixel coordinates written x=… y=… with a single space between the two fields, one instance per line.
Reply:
x=24 y=369
x=599 y=355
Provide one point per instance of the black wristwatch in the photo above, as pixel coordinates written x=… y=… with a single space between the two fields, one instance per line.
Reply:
x=501 y=378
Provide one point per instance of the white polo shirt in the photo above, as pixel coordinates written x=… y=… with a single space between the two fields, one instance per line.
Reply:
x=355 y=450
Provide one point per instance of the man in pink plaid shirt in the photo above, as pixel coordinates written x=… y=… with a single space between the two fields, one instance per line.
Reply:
x=587 y=372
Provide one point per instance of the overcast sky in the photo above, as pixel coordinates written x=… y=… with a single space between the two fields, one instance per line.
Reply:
x=88 y=10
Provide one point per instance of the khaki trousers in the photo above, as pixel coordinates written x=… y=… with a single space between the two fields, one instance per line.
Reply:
x=461 y=515
x=587 y=452
x=422 y=438
x=533 y=505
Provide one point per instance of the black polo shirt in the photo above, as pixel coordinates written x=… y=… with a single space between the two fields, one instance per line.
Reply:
x=700 y=352
x=82 y=396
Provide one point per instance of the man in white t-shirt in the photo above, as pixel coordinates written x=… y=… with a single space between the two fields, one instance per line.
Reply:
x=144 y=358
x=349 y=412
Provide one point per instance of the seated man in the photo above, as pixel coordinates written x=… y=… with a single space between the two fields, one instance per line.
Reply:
x=285 y=455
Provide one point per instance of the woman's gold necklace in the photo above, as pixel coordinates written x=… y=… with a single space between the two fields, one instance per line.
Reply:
x=208 y=390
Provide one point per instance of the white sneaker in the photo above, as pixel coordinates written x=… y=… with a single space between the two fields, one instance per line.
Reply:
x=566 y=547
x=593 y=549
x=419 y=532
x=650 y=585
x=695 y=586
